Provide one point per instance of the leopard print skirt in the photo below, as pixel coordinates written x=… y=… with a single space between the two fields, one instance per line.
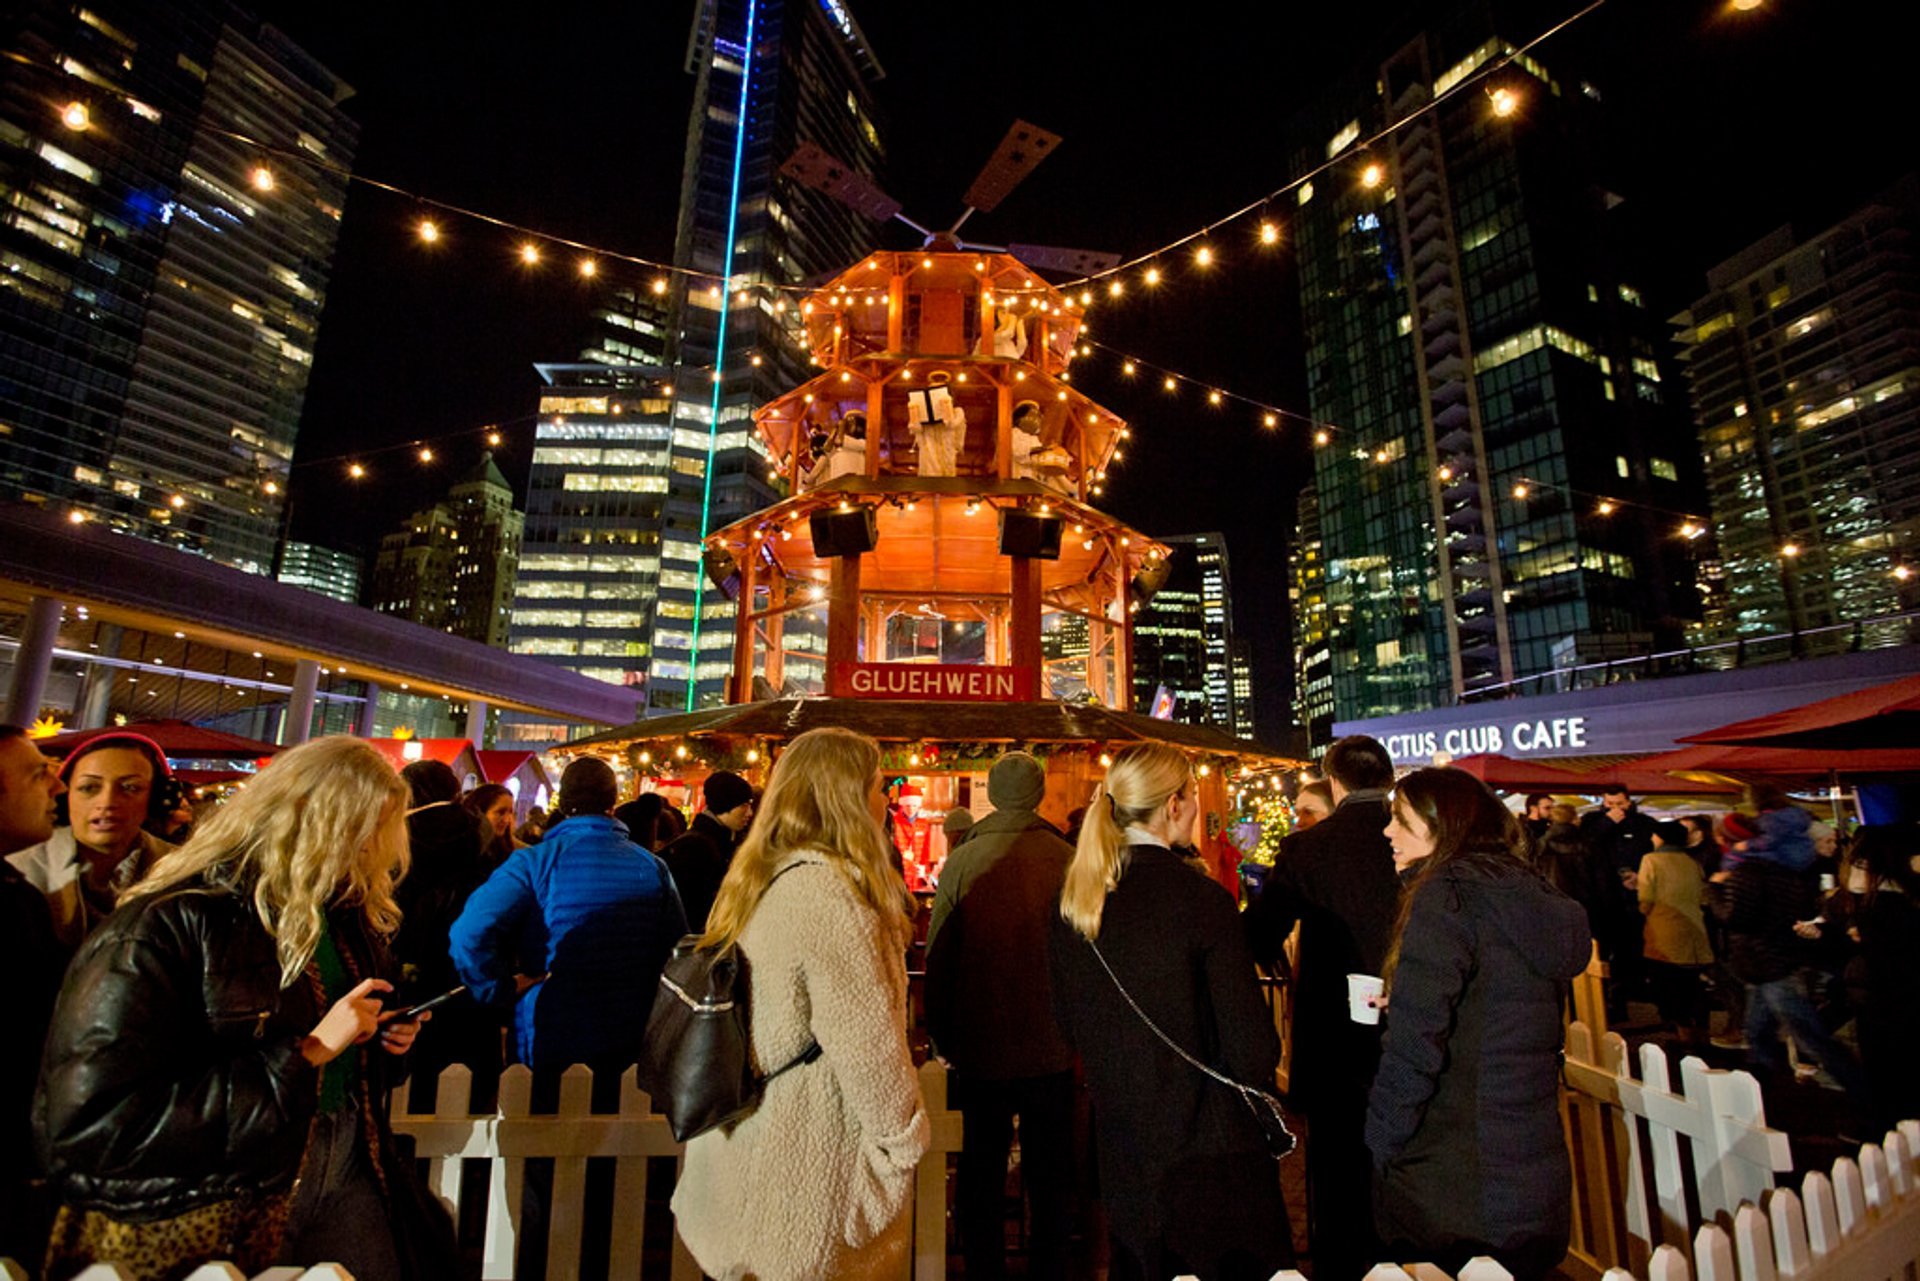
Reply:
x=246 y=1231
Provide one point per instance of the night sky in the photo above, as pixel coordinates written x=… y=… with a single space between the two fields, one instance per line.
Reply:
x=571 y=117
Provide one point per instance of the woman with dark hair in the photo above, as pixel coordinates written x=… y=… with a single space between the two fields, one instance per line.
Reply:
x=1886 y=923
x=492 y=805
x=1463 y=1121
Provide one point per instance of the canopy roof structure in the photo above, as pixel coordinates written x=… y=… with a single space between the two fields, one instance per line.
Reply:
x=1885 y=716
x=178 y=739
x=891 y=721
x=1639 y=777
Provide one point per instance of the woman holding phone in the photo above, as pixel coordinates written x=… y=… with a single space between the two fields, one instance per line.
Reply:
x=815 y=1182
x=221 y=1034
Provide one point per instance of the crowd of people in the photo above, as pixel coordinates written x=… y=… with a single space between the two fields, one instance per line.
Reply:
x=211 y=1029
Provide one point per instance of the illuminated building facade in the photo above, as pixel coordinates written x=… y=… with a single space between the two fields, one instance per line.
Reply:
x=1510 y=458
x=1307 y=595
x=1804 y=359
x=321 y=569
x=451 y=566
x=640 y=447
x=161 y=288
x=1183 y=637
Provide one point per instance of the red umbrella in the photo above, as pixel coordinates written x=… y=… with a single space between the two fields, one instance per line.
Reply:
x=1884 y=716
x=1639 y=777
x=178 y=739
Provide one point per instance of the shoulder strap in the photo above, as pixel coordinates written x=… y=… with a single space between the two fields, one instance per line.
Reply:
x=1154 y=1028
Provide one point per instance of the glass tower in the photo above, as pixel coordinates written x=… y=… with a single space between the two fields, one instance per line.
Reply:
x=1804 y=360
x=1506 y=460
x=1183 y=637
x=688 y=365
x=161 y=280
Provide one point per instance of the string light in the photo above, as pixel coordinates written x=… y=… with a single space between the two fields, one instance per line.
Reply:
x=1902 y=572
x=1170 y=384
x=493 y=438
x=1153 y=275
x=356 y=471
x=589 y=268
x=176 y=502
x=1505 y=101
x=1606 y=507
x=529 y=253
x=1213 y=398
x=1322 y=436
x=659 y=287
x=1790 y=550
x=1203 y=256
x=262 y=178
x=75 y=116
x=1271 y=420
x=1129 y=368
x=1269 y=234
x=429 y=231
x=1373 y=175
x=1520 y=491
x=426 y=453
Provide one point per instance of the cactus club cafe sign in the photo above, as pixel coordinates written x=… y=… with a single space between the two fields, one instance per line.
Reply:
x=1553 y=735
x=952 y=683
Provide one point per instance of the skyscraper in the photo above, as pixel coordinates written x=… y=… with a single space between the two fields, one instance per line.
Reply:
x=452 y=565
x=679 y=456
x=1506 y=462
x=322 y=569
x=1307 y=595
x=1183 y=637
x=162 y=278
x=1804 y=359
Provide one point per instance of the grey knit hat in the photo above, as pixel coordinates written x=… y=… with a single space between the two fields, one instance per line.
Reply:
x=1017 y=781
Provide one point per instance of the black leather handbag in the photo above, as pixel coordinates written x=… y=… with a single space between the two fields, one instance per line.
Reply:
x=696 y=1061
x=1266 y=1109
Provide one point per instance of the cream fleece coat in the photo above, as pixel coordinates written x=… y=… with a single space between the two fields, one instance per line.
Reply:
x=816 y=1182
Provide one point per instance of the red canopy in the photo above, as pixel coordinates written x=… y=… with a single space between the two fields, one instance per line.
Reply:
x=1640 y=777
x=178 y=739
x=1885 y=716
x=1783 y=762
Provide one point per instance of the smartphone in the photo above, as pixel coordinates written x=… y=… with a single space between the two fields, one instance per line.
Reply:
x=413 y=1012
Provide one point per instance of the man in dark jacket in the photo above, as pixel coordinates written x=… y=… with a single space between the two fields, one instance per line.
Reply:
x=32 y=959
x=1337 y=881
x=699 y=857
x=448 y=862
x=990 y=1011
x=1760 y=899
x=1620 y=836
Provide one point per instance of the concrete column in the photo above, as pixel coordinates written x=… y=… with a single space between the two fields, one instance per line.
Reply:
x=96 y=700
x=297 y=728
x=33 y=660
x=363 y=723
x=477 y=722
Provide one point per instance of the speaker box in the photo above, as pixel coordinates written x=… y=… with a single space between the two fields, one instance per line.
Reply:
x=722 y=571
x=1149 y=579
x=849 y=533
x=1025 y=534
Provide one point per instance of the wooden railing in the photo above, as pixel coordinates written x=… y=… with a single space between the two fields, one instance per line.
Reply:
x=1670 y=1184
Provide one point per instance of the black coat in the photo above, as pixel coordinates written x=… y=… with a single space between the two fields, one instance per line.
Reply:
x=32 y=960
x=1336 y=879
x=1183 y=1166
x=698 y=859
x=173 y=1075
x=1760 y=900
x=989 y=1004
x=1464 y=1118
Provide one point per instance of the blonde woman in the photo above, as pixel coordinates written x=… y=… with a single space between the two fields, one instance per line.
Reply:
x=1169 y=1137
x=208 y=1042
x=815 y=1182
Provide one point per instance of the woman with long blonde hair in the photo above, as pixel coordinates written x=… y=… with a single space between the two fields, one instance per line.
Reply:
x=1142 y=936
x=815 y=1182
x=206 y=1047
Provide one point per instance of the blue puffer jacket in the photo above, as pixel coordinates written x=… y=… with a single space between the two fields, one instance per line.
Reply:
x=598 y=915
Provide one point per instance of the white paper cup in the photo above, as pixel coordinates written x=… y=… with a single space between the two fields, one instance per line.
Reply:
x=1359 y=988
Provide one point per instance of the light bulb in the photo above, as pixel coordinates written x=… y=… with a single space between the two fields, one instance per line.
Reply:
x=261 y=178
x=76 y=117
x=589 y=268
x=1269 y=234
x=1204 y=255
x=1373 y=175
x=1153 y=275
x=429 y=230
x=529 y=253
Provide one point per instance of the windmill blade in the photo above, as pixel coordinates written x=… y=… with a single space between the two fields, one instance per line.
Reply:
x=1079 y=262
x=1024 y=147
x=815 y=168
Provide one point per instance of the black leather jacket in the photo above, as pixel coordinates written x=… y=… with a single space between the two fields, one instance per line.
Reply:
x=173 y=1075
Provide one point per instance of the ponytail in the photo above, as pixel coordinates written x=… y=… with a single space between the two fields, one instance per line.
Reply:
x=1139 y=782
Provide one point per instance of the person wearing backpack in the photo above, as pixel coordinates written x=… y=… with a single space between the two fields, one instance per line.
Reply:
x=816 y=1180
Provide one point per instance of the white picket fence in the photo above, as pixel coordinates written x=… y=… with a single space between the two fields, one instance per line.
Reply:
x=1668 y=1186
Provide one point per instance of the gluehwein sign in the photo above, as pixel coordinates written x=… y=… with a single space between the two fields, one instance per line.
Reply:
x=958 y=683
